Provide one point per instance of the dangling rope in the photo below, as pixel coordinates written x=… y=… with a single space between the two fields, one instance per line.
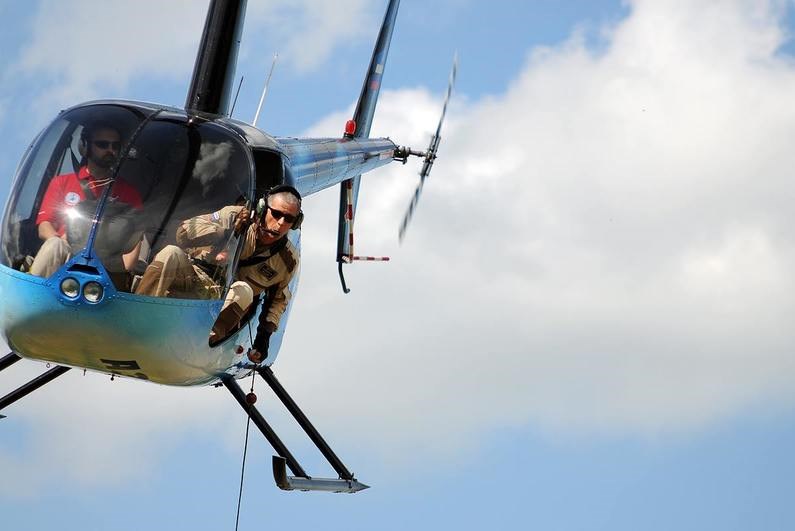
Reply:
x=245 y=446
x=243 y=468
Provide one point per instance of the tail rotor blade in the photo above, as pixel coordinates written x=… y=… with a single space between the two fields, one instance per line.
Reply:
x=450 y=84
x=430 y=155
x=410 y=211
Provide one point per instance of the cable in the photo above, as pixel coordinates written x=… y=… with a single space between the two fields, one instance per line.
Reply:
x=245 y=446
x=242 y=473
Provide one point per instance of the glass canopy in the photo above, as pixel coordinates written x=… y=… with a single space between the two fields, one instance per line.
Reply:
x=116 y=181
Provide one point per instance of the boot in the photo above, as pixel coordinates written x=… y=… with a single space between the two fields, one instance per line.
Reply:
x=150 y=281
x=228 y=320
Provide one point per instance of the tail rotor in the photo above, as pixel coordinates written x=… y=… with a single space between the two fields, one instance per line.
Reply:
x=429 y=156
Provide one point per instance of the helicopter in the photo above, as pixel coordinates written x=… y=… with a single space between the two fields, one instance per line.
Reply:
x=181 y=162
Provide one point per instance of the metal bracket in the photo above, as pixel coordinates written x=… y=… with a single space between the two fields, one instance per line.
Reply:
x=402 y=154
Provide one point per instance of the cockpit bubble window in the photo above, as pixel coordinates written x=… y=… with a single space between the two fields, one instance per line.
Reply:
x=185 y=172
x=132 y=177
x=49 y=182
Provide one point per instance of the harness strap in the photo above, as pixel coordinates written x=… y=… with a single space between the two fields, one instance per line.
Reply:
x=87 y=191
x=259 y=258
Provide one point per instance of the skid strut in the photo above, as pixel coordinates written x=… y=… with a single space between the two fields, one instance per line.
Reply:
x=264 y=427
x=303 y=421
x=8 y=360
x=301 y=480
x=31 y=386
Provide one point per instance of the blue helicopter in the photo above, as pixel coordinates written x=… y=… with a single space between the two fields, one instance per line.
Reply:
x=179 y=163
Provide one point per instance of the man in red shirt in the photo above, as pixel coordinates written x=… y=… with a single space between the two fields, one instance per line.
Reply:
x=99 y=144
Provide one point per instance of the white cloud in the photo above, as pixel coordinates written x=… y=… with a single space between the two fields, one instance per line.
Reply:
x=92 y=48
x=605 y=247
x=309 y=30
x=88 y=431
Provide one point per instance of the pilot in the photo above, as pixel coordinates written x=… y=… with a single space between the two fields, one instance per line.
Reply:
x=100 y=143
x=267 y=263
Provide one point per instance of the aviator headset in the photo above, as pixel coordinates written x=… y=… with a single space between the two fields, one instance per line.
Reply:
x=263 y=203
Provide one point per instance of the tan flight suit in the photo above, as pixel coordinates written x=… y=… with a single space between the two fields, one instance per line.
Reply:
x=54 y=253
x=174 y=272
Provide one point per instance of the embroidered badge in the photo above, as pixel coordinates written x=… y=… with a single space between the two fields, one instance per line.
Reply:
x=267 y=271
x=217 y=215
x=71 y=199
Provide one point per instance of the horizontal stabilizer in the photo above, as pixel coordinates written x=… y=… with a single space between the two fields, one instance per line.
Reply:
x=285 y=482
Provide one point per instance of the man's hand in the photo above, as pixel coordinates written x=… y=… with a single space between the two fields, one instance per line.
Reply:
x=255 y=356
x=242 y=220
x=259 y=350
x=221 y=257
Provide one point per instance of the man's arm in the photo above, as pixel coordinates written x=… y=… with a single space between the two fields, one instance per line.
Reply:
x=46 y=230
x=50 y=204
x=207 y=229
x=277 y=306
x=131 y=258
x=270 y=317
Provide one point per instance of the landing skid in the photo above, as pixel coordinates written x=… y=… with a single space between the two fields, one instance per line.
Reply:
x=285 y=482
x=301 y=480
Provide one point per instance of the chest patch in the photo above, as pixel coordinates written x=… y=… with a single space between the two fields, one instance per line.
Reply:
x=71 y=199
x=267 y=271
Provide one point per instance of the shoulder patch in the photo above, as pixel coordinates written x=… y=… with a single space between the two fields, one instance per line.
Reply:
x=71 y=198
x=217 y=215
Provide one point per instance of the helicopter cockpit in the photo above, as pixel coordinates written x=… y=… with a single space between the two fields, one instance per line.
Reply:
x=113 y=180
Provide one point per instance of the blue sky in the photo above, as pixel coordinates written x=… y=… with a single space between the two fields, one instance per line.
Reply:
x=588 y=326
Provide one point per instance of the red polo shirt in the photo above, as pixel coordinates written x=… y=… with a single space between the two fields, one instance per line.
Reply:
x=64 y=191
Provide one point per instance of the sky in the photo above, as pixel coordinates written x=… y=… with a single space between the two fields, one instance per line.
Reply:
x=588 y=326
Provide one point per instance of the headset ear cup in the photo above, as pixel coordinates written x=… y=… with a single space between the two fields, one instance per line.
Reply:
x=261 y=207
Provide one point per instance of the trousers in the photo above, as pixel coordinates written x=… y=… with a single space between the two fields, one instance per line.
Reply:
x=173 y=273
x=54 y=253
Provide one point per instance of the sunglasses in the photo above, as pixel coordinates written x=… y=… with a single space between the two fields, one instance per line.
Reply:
x=278 y=214
x=105 y=144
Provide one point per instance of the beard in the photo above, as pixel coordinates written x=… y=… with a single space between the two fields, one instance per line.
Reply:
x=105 y=163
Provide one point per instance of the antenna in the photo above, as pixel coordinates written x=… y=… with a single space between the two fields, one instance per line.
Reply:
x=232 y=110
x=265 y=90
